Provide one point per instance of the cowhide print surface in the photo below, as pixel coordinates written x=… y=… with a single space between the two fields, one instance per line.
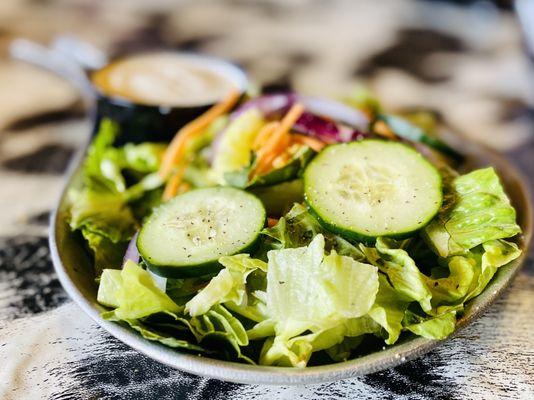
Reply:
x=466 y=63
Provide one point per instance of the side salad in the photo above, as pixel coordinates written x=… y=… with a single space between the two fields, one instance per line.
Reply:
x=290 y=231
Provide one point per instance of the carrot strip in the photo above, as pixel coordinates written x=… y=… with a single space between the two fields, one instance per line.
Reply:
x=173 y=184
x=281 y=160
x=177 y=147
x=311 y=142
x=382 y=129
x=271 y=222
x=266 y=162
x=264 y=134
x=279 y=138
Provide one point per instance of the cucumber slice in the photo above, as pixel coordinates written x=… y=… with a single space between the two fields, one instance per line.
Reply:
x=372 y=188
x=186 y=236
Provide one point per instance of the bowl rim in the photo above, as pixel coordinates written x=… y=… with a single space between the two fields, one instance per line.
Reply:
x=255 y=374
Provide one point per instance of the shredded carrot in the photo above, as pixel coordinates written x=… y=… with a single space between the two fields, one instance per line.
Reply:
x=264 y=134
x=177 y=147
x=281 y=159
x=279 y=139
x=382 y=129
x=271 y=222
x=311 y=142
x=173 y=184
x=184 y=187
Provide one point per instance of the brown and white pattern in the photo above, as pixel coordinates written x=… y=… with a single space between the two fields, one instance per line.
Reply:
x=466 y=63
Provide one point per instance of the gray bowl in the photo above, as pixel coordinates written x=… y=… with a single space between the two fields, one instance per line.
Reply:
x=76 y=275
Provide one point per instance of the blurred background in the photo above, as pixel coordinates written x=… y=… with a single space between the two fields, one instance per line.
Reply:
x=466 y=60
x=471 y=62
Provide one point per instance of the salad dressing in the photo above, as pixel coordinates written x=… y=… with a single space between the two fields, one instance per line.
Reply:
x=163 y=79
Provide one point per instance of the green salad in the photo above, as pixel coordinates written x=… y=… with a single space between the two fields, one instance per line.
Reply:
x=290 y=231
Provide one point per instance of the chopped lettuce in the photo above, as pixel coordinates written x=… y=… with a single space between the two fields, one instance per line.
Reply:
x=298 y=227
x=102 y=213
x=107 y=208
x=227 y=286
x=107 y=254
x=138 y=301
x=304 y=289
x=437 y=327
x=144 y=158
x=401 y=271
x=310 y=291
x=480 y=212
x=388 y=309
x=134 y=294
x=468 y=275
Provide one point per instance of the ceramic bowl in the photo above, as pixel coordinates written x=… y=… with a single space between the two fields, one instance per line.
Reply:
x=76 y=275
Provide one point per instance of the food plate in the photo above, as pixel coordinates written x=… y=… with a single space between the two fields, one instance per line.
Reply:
x=75 y=273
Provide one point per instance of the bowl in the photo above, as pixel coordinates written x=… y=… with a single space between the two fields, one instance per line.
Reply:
x=140 y=122
x=75 y=273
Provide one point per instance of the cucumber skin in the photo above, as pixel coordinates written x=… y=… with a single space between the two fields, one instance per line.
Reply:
x=194 y=271
x=366 y=239
x=353 y=236
x=191 y=271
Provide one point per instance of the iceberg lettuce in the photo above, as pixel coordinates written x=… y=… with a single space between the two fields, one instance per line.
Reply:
x=479 y=212
x=228 y=286
x=310 y=291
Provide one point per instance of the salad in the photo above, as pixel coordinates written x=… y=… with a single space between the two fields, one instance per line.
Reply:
x=291 y=231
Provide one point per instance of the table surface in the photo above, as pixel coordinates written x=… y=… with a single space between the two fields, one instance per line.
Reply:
x=465 y=63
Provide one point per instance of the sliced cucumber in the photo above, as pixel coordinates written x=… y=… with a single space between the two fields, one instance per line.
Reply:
x=186 y=236
x=372 y=188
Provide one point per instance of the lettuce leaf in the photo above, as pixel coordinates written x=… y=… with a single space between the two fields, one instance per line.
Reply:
x=437 y=327
x=219 y=329
x=106 y=209
x=107 y=254
x=134 y=294
x=298 y=227
x=102 y=213
x=388 y=310
x=401 y=271
x=144 y=158
x=310 y=291
x=151 y=332
x=228 y=286
x=468 y=275
x=480 y=212
x=235 y=146
x=146 y=308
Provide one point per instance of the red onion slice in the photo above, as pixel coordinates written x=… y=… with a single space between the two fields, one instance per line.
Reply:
x=132 y=253
x=325 y=119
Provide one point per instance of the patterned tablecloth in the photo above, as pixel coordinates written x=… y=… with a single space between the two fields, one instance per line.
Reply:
x=465 y=63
